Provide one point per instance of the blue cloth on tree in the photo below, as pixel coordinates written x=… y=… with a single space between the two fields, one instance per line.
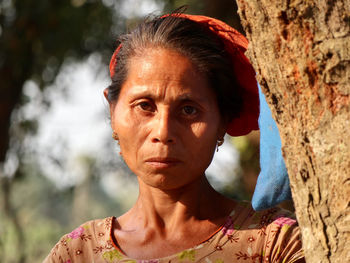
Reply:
x=272 y=186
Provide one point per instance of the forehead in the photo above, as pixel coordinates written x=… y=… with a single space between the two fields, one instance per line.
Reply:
x=165 y=72
x=161 y=61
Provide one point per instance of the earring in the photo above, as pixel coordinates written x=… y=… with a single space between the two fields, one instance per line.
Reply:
x=115 y=136
x=219 y=143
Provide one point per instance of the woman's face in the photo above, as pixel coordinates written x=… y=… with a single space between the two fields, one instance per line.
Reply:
x=167 y=120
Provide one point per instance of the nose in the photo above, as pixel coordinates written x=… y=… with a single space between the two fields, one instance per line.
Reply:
x=163 y=128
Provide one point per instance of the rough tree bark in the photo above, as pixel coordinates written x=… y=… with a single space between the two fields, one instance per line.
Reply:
x=301 y=52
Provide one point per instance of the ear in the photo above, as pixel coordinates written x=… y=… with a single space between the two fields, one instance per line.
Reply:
x=105 y=93
x=111 y=105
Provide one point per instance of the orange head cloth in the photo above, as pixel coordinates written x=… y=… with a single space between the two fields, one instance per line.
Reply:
x=235 y=45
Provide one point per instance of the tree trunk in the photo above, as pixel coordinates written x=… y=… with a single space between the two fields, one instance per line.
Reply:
x=301 y=53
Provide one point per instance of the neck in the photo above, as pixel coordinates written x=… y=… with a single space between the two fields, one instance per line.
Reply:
x=168 y=209
x=164 y=222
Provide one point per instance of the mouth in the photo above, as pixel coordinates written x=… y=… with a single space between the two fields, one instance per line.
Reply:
x=162 y=162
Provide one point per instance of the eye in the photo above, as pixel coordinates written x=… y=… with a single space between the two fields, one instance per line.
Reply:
x=146 y=106
x=189 y=110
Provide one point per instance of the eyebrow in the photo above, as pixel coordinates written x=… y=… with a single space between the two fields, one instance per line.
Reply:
x=188 y=97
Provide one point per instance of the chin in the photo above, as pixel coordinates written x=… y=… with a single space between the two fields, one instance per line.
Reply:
x=168 y=181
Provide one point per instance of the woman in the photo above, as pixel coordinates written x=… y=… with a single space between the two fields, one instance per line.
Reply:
x=179 y=83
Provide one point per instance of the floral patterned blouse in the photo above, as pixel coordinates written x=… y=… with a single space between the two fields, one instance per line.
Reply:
x=247 y=236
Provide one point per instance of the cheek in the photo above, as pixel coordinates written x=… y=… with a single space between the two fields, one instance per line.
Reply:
x=204 y=140
x=124 y=126
x=206 y=134
x=124 y=121
x=207 y=130
x=131 y=131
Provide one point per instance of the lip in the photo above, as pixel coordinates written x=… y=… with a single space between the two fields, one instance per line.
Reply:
x=162 y=162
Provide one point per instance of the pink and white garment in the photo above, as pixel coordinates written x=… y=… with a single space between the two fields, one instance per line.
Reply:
x=247 y=236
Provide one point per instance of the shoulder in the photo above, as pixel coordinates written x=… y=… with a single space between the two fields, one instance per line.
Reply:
x=273 y=234
x=87 y=239
x=245 y=216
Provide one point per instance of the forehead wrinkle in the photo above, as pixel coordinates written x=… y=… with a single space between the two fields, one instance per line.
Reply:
x=145 y=66
x=149 y=77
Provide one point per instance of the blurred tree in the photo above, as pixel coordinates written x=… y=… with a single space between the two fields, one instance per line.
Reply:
x=248 y=147
x=36 y=37
x=225 y=10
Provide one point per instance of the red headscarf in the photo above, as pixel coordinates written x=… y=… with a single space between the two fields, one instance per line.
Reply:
x=235 y=45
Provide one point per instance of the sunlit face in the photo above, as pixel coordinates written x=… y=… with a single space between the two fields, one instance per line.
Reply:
x=167 y=120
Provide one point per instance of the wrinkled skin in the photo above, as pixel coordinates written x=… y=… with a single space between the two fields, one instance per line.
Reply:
x=167 y=120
